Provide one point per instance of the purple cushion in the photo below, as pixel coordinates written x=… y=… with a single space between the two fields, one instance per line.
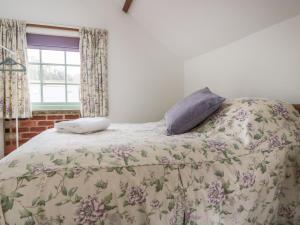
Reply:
x=191 y=111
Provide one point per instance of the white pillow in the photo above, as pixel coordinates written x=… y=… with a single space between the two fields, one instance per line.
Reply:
x=83 y=125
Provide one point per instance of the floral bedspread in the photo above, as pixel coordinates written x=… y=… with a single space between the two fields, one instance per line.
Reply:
x=241 y=166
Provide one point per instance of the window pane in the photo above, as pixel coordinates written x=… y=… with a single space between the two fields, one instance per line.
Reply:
x=34 y=73
x=54 y=93
x=73 y=74
x=73 y=58
x=35 y=93
x=73 y=93
x=33 y=55
x=54 y=74
x=56 y=57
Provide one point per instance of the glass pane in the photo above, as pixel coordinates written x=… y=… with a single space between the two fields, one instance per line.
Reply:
x=73 y=93
x=33 y=55
x=34 y=73
x=56 y=57
x=73 y=74
x=35 y=93
x=54 y=74
x=73 y=58
x=54 y=93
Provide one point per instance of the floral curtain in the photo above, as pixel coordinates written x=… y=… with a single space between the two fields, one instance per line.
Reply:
x=14 y=92
x=94 y=87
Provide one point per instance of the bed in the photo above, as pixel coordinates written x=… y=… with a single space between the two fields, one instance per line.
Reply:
x=241 y=166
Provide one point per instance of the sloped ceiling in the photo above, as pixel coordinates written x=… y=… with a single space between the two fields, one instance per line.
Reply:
x=192 y=27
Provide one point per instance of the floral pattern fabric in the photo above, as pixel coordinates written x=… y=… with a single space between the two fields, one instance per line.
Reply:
x=93 y=82
x=13 y=37
x=241 y=166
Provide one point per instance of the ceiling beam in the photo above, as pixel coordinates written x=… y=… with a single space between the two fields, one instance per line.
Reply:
x=297 y=107
x=127 y=5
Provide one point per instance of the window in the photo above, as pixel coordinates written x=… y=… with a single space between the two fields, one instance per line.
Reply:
x=53 y=71
x=54 y=78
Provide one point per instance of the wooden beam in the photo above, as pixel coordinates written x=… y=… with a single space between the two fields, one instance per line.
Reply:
x=52 y=27
x=127 y=5
x=297 y=107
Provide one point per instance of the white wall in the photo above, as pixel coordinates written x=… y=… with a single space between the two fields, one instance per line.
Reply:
x=265 y=64
x=144 y=77
x=193 y=27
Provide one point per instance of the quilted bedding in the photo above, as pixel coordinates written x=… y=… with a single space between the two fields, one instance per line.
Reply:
x=241 y=166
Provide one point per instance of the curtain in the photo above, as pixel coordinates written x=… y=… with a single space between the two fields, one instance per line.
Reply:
x=93 y=81
x=13 y=37
x=1 y=139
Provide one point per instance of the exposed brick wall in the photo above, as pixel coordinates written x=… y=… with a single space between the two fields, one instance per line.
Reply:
x=28 y=128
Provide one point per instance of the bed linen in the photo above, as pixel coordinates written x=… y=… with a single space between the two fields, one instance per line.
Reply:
x=83 y=125
x=241 y=166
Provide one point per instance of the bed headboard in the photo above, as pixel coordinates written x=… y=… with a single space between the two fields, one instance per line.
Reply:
x=297 y=107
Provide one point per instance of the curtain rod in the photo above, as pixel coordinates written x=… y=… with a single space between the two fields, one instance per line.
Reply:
x=52 y=27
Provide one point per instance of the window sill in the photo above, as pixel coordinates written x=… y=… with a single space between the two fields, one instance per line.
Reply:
x=56 y=111
x=56 y=107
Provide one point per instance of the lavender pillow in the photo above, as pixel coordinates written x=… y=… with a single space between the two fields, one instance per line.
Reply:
x=191 y=111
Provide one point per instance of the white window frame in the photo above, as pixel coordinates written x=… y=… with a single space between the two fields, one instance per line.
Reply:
x=36 y=106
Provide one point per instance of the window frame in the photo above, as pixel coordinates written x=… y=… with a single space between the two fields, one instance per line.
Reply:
x=36 y=106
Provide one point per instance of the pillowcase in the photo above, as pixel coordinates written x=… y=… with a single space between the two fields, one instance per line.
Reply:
x=191 y=111
x=83 y=125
